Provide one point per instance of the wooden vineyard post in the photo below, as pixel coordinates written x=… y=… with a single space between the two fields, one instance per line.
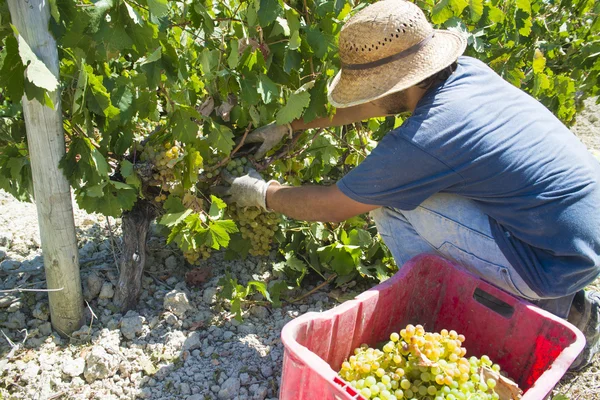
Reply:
x=52 y=193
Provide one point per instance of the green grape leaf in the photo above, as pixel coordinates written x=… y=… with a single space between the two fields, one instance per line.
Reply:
x=294 y=262
x=249 y=93
x=268 y=11
x=115 y=198
x=238 y=248
x=226 y=225
x=236 y=308
x=216 y=207
x=342 y=258
x=183 y=127
x=219 y=233
x=539 y=61
x=173 y=205
x=267 y=89
x=524 y=5
x=234 y=54
x=100 y=101
x=133 y=14
x=54 y=11
x=441 y=12
x=318 y=40
x=525 y=26
x=359 y=237
x=128 y=172
x=275 y=289
x=35 y=69
x=158 y=8
x=174 y=218
x=12 y=72
x=193 y=162
x=458 y=6
x=100 y=163
x=80 y=90
x=261 y=287
x=476 y=8
x=221 y=138
x=322 y=147
x=293 y=109
x=122 y=98
x=495 y=15
x=320 y=232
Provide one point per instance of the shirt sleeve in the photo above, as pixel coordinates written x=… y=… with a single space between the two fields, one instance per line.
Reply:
x=398 y=173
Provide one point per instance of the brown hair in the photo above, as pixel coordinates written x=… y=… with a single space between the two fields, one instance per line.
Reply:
x=438 y=77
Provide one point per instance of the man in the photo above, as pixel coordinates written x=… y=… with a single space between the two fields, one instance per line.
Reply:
x=481 y=173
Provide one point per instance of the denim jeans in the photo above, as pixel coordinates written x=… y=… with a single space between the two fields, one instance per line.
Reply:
x=455 y=228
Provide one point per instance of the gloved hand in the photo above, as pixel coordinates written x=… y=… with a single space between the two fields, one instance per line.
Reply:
x=246 y=190
x=269 y=135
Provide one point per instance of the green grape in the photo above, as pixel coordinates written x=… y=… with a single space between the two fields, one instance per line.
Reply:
x=397 y=371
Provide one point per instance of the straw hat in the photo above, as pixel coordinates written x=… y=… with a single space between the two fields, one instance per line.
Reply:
x=388 y=47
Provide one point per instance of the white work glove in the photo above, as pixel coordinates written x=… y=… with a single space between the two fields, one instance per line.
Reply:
x=247 y=190
x=269 y=135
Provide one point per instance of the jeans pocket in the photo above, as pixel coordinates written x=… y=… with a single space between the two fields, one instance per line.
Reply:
x=494 y=274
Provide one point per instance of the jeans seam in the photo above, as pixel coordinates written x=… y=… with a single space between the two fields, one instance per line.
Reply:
x=484 y=236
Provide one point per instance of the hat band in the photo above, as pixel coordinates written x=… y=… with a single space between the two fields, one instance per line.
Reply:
x=394 y=57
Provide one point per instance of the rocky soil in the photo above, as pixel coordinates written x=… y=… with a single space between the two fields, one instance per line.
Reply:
x=182 y=342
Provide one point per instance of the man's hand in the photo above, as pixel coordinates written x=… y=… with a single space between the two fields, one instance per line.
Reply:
x=246 y=191
x=269 y=135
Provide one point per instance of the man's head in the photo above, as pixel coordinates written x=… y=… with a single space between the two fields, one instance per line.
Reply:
x=387 y=47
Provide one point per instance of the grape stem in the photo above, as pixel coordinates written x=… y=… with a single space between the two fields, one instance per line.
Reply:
x=239 y=145
x=305 y=295
x=285 y=150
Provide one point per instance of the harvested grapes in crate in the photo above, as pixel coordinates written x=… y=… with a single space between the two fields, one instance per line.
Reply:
x=416 y=364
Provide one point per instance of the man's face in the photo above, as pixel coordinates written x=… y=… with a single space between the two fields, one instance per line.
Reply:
x=395 y=103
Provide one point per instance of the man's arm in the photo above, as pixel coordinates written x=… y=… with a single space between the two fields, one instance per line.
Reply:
x=343 y=116
x=314 y=203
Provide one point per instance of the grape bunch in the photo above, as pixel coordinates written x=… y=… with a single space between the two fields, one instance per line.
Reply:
x=416 y=364
x=256 y=225
x=194 y=256
x=164 y=162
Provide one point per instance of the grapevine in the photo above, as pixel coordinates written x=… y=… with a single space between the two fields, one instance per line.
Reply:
x=256 y=225
x=415 y=364
x=156 y=93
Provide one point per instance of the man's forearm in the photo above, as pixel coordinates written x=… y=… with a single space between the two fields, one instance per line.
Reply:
x=314 y=203
x=343 y=116
x=304 y=203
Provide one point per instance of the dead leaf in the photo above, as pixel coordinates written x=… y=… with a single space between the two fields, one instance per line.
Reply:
x=147 y=366
x=224 y=109
x=207 y=107
x=197 y=325
x=423 y=360
x=505 y=388
x=197 y=276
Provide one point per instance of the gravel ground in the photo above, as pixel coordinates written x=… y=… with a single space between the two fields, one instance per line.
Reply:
x=180 y=343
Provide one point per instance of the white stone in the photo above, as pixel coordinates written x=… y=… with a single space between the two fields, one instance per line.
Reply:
x=210 y=295
x=99 y=364
x=107 y=291
x=74 y=367
x=177 y=302
x=131 y=324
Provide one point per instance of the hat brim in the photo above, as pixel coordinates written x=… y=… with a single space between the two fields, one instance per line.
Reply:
x=354 y=87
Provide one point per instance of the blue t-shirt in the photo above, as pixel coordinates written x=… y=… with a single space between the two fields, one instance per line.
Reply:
x=480 y=137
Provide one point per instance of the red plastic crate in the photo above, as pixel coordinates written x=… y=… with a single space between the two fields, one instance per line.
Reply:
x=534 y=347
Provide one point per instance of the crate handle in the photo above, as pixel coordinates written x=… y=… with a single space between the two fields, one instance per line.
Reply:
x=493 y=303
